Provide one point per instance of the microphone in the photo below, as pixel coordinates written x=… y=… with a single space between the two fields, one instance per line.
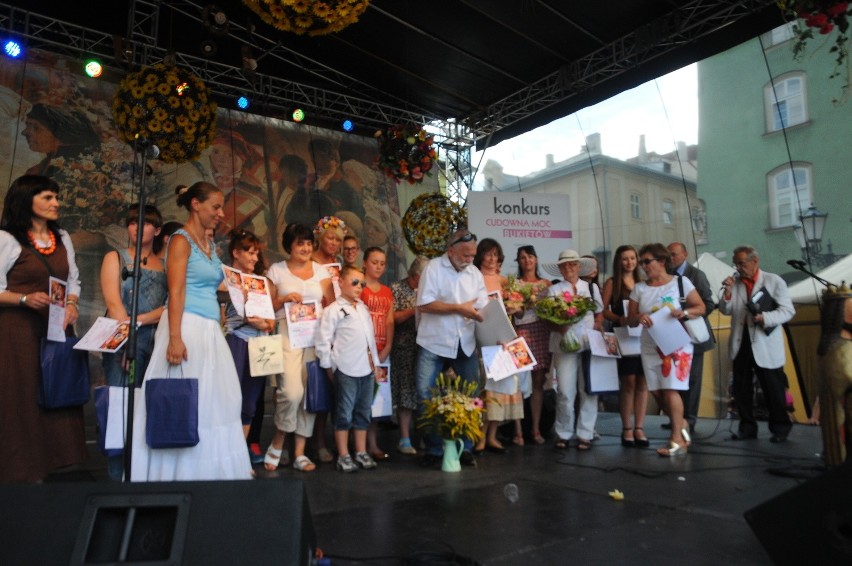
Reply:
x=735 y=277
x=145 y=146
x=796 y=263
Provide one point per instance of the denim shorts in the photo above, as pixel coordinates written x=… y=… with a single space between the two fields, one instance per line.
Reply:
x=354 y=401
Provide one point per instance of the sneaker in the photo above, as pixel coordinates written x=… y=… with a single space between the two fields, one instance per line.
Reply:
x=255 y=453
x=405 y=447
x=365 y=460
x=345 y=464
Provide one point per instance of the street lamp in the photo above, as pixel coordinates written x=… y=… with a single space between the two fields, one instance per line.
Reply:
x=809 y=234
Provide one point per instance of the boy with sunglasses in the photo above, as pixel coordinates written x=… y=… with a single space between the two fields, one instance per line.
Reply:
x=346 y=347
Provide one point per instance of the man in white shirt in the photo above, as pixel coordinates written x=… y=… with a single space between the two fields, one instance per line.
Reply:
x=449 y=296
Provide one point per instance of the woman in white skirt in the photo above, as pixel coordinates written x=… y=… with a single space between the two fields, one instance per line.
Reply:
x=665 y=374
x=189 y=343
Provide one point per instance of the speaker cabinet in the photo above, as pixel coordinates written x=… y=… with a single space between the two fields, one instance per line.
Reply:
x=222 y=522
x=809 y=524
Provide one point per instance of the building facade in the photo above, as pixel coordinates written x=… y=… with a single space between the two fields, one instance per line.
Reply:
x=615 y=202
x=774 y=141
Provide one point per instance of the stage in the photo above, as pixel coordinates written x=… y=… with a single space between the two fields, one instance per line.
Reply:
x=675 y=510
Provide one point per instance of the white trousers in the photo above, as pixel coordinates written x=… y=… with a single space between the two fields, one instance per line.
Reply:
x=570 y=381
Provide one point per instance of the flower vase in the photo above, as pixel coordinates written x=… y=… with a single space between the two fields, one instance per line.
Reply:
x=452 y=455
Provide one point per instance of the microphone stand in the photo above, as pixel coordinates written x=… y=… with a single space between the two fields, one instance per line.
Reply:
x=143 y=147
x=800 y=266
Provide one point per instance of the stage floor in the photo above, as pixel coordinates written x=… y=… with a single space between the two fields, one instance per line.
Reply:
x=686 y=509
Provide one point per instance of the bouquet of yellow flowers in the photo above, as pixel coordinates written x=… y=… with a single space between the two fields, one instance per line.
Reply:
x=453 y=411
x=563 y=310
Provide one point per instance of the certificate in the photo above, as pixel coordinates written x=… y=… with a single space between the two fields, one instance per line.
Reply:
x=603 y=344
x=302 y=322
x=236 y=290
x=334 y=272
x=258 y=301
x=105 y=335
x=668 y=333
x=495 y=327
x=58 y=292
x=382 y=399
x=506 y=360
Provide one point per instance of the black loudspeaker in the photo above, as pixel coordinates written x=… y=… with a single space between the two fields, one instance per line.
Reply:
x=809 y=524
x=221 y=522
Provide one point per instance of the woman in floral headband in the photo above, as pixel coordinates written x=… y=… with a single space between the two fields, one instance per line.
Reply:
x=328 y=239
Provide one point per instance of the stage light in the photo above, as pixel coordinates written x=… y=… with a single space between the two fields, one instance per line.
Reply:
x=243 y=102
x=347 y=126
x=13 y=49
x=298 y=115
x=93 y=68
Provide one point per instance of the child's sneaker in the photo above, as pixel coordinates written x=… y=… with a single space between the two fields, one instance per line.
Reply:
x=345 y=464
x=365 y=460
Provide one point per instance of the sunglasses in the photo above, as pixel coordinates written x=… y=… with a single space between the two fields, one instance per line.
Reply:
x=356 y=282
x=646 y=261
x=469 y=237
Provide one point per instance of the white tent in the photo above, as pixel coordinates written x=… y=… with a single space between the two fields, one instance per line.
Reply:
x=716 y=271
x=808 y=291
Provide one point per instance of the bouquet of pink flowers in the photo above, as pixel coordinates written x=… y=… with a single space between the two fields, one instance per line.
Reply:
x=566 y=309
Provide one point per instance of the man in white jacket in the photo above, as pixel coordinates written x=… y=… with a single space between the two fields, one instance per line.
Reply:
x=759 y=303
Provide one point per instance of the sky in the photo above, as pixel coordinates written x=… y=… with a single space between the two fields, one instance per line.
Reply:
x=664 y=109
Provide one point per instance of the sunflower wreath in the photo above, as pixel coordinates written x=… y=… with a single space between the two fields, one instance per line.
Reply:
x=168 y=106
x=429 y=221
x=311 y=17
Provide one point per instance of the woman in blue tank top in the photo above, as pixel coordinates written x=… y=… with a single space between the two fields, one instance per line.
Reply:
x=190 y=336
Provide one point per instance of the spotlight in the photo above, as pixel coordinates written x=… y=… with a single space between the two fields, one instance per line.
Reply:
x=208 y=48
x=243 y=102
x=13 y=49
x=249 y=62
x=298 y=115
x=215 y=20
x=93 y=68
x=347 y=126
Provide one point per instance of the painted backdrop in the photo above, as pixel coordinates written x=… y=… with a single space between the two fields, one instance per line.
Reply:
x=57 y=122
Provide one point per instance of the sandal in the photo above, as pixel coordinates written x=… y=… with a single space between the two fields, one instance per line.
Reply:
x=324 y=455
x=518 y=440
x=273 y=458
x=684 y=432
x=561 y=444
x=627 y=442
x=378 y=455
x=641 y=442
x=673 y=449
x=538 y=438
x=584 y=445
x=304 y=464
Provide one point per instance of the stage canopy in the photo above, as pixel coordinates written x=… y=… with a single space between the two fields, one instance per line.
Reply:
x=494 y=68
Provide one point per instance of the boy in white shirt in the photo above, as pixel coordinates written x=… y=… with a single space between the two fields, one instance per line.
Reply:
x=346 y=347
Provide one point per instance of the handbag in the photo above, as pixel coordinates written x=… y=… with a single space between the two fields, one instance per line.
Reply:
x=266 y=355
x=172 y=407
x=697 y=328
x=102 y=409
x=319 y=393
x=64 y=375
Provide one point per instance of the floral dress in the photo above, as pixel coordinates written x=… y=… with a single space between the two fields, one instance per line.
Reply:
x=404 y=352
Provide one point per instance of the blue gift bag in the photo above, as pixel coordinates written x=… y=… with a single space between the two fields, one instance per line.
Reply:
x=64 y=375
x=172 y=407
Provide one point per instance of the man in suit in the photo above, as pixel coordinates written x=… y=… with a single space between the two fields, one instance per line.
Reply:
x=679 y=266
x=757 y=344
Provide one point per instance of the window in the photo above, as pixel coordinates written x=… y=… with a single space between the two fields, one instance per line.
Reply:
x=635 y=210
x=778 y=35
x=785 y=104
x=668 y=212
x=784 y=206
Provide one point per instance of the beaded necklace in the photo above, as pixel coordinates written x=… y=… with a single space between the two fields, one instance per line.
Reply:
x=43 y=251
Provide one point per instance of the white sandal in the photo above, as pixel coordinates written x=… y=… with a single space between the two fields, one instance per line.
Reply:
x=304 y=464
x=274 y=457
